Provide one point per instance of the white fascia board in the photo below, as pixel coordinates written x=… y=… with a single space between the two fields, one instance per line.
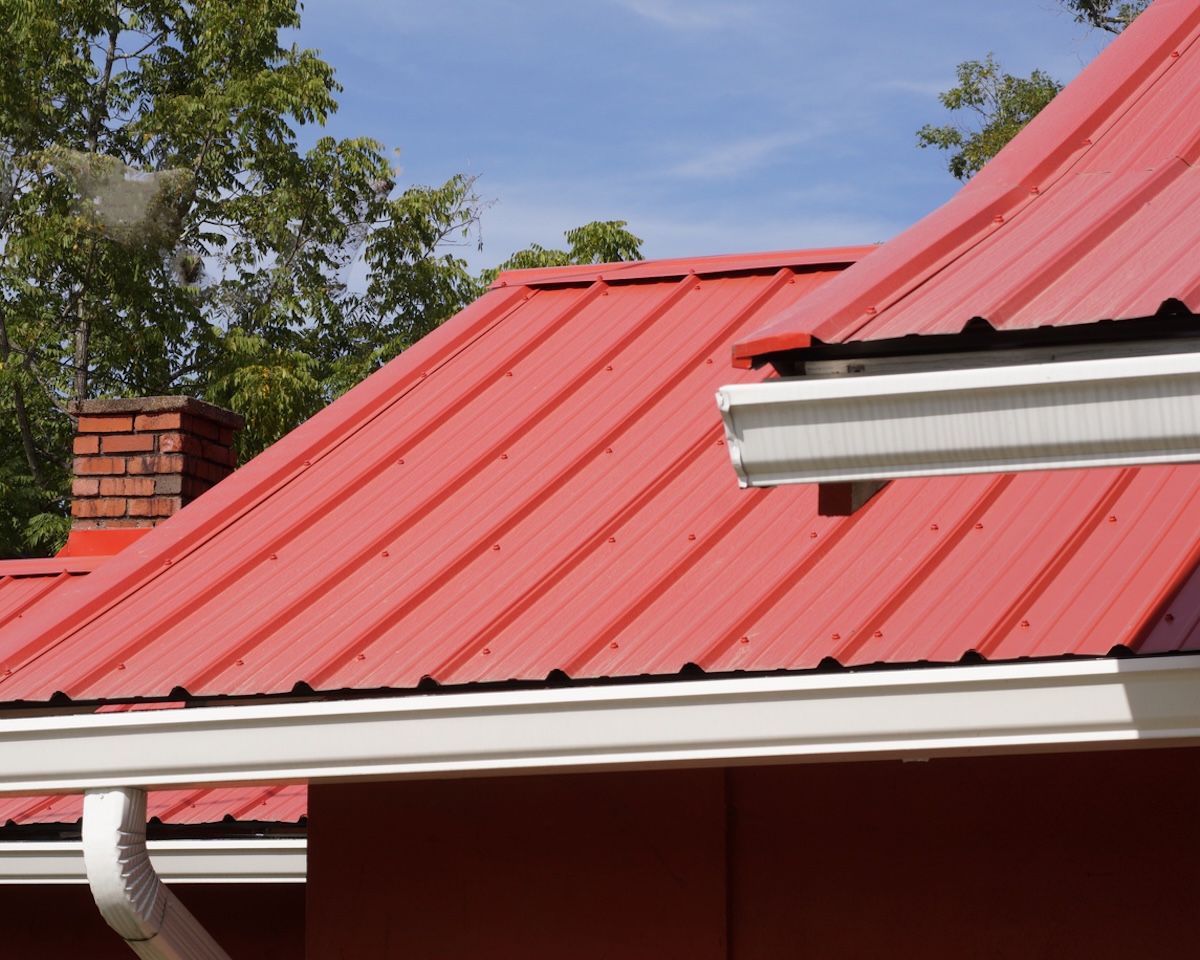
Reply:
x=1120 y=411
x=917 y=713
x=176 y=861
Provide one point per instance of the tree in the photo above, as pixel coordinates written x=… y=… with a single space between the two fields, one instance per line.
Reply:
x=997 y=104
x=1111 y=15
x=162 y=232
x=601 y=241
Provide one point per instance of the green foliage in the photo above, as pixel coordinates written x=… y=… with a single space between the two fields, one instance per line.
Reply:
x=162 y=232
x=1111 y=15
x=601 y=241
x=996 y=104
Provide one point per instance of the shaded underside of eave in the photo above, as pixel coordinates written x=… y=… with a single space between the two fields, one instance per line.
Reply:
x=1084 y=217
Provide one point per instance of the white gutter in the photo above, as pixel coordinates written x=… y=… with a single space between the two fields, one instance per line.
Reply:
x=1117 y=411
x=175 y=861
x=130 y=895
x=1002 y=708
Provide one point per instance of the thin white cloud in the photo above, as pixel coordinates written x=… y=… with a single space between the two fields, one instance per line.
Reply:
x=737 y=157
x=689 y=14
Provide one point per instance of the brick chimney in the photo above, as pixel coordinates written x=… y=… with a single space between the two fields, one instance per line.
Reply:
x=138 y=462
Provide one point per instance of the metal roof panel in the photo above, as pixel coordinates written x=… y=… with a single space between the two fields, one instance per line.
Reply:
x=541 y=488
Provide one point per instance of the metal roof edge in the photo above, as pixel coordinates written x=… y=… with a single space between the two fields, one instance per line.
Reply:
x=967 y=710
x=681 y=267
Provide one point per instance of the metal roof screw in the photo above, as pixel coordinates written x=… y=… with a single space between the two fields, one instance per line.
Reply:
x=979 y=526
x=720 y=443
x=612 y=539
x=400 y=461
x=495 y=546
x=361 y=656
x=709 y=360
x=1087 y=141
x=835 y=636
x=273 y=556
x=509 y=374
x=167 y=562
x=1112 y=519
x=1174 y=54
x=608 y=449
x=613 y=645
x=384 y=553
x=744 y=640
x=308 y=463
x=870 y=309
x=933 y=526
x=812 y=535
x=485 y=651
x=504 y=456
x=998 y=218
x=1034 y=191
x=240 y=663
x=691 y=536
x=609 y=367
x=120 y=666
x=1170 y=618
x=879 y=633
x=1025 y=623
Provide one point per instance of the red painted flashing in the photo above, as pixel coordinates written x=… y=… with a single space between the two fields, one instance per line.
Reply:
x=701 y=266
x=1084 y=216
x=100 y=543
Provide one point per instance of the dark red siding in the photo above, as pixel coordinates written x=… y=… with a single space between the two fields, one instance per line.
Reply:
x=1083 y=855
x=251 y=922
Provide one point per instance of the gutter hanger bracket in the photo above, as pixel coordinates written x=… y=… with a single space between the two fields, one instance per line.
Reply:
x=130 y=895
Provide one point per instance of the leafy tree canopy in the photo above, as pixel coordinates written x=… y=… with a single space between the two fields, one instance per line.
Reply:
x=161 y=231
x=601 y=241
x=1111 y=15
x=996 y=104
x=993 y=106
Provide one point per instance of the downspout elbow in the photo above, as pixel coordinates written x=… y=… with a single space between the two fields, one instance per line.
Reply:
x=128 y=891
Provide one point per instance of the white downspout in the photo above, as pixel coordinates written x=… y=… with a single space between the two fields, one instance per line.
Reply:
x=130 y=895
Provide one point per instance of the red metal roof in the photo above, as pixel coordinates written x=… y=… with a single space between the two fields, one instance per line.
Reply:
x=1087 y=215
x=541 y=487
x=279 y=804
x=27 y=584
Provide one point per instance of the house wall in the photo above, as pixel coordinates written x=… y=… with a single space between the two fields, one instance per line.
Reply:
x=1089 y=855
x=259 y=921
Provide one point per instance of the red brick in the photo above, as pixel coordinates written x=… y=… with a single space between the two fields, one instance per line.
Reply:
x=202 y=427
x=225 y=437
x=98 y=508
x=85 y=488
x=154 y=507
x=180 y=443
x=106 y=424
x=128 y=443
x=93 y=466
x=127 y=487
x=172 y=463
x=159 y=421
x=219 y=454
x=87 y=444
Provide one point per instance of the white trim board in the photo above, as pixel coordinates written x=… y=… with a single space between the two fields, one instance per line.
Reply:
x=1121 y=411
x=176 y=861
x=906 y=714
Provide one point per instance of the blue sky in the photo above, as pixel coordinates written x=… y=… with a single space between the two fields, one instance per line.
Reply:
x=712 y=127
